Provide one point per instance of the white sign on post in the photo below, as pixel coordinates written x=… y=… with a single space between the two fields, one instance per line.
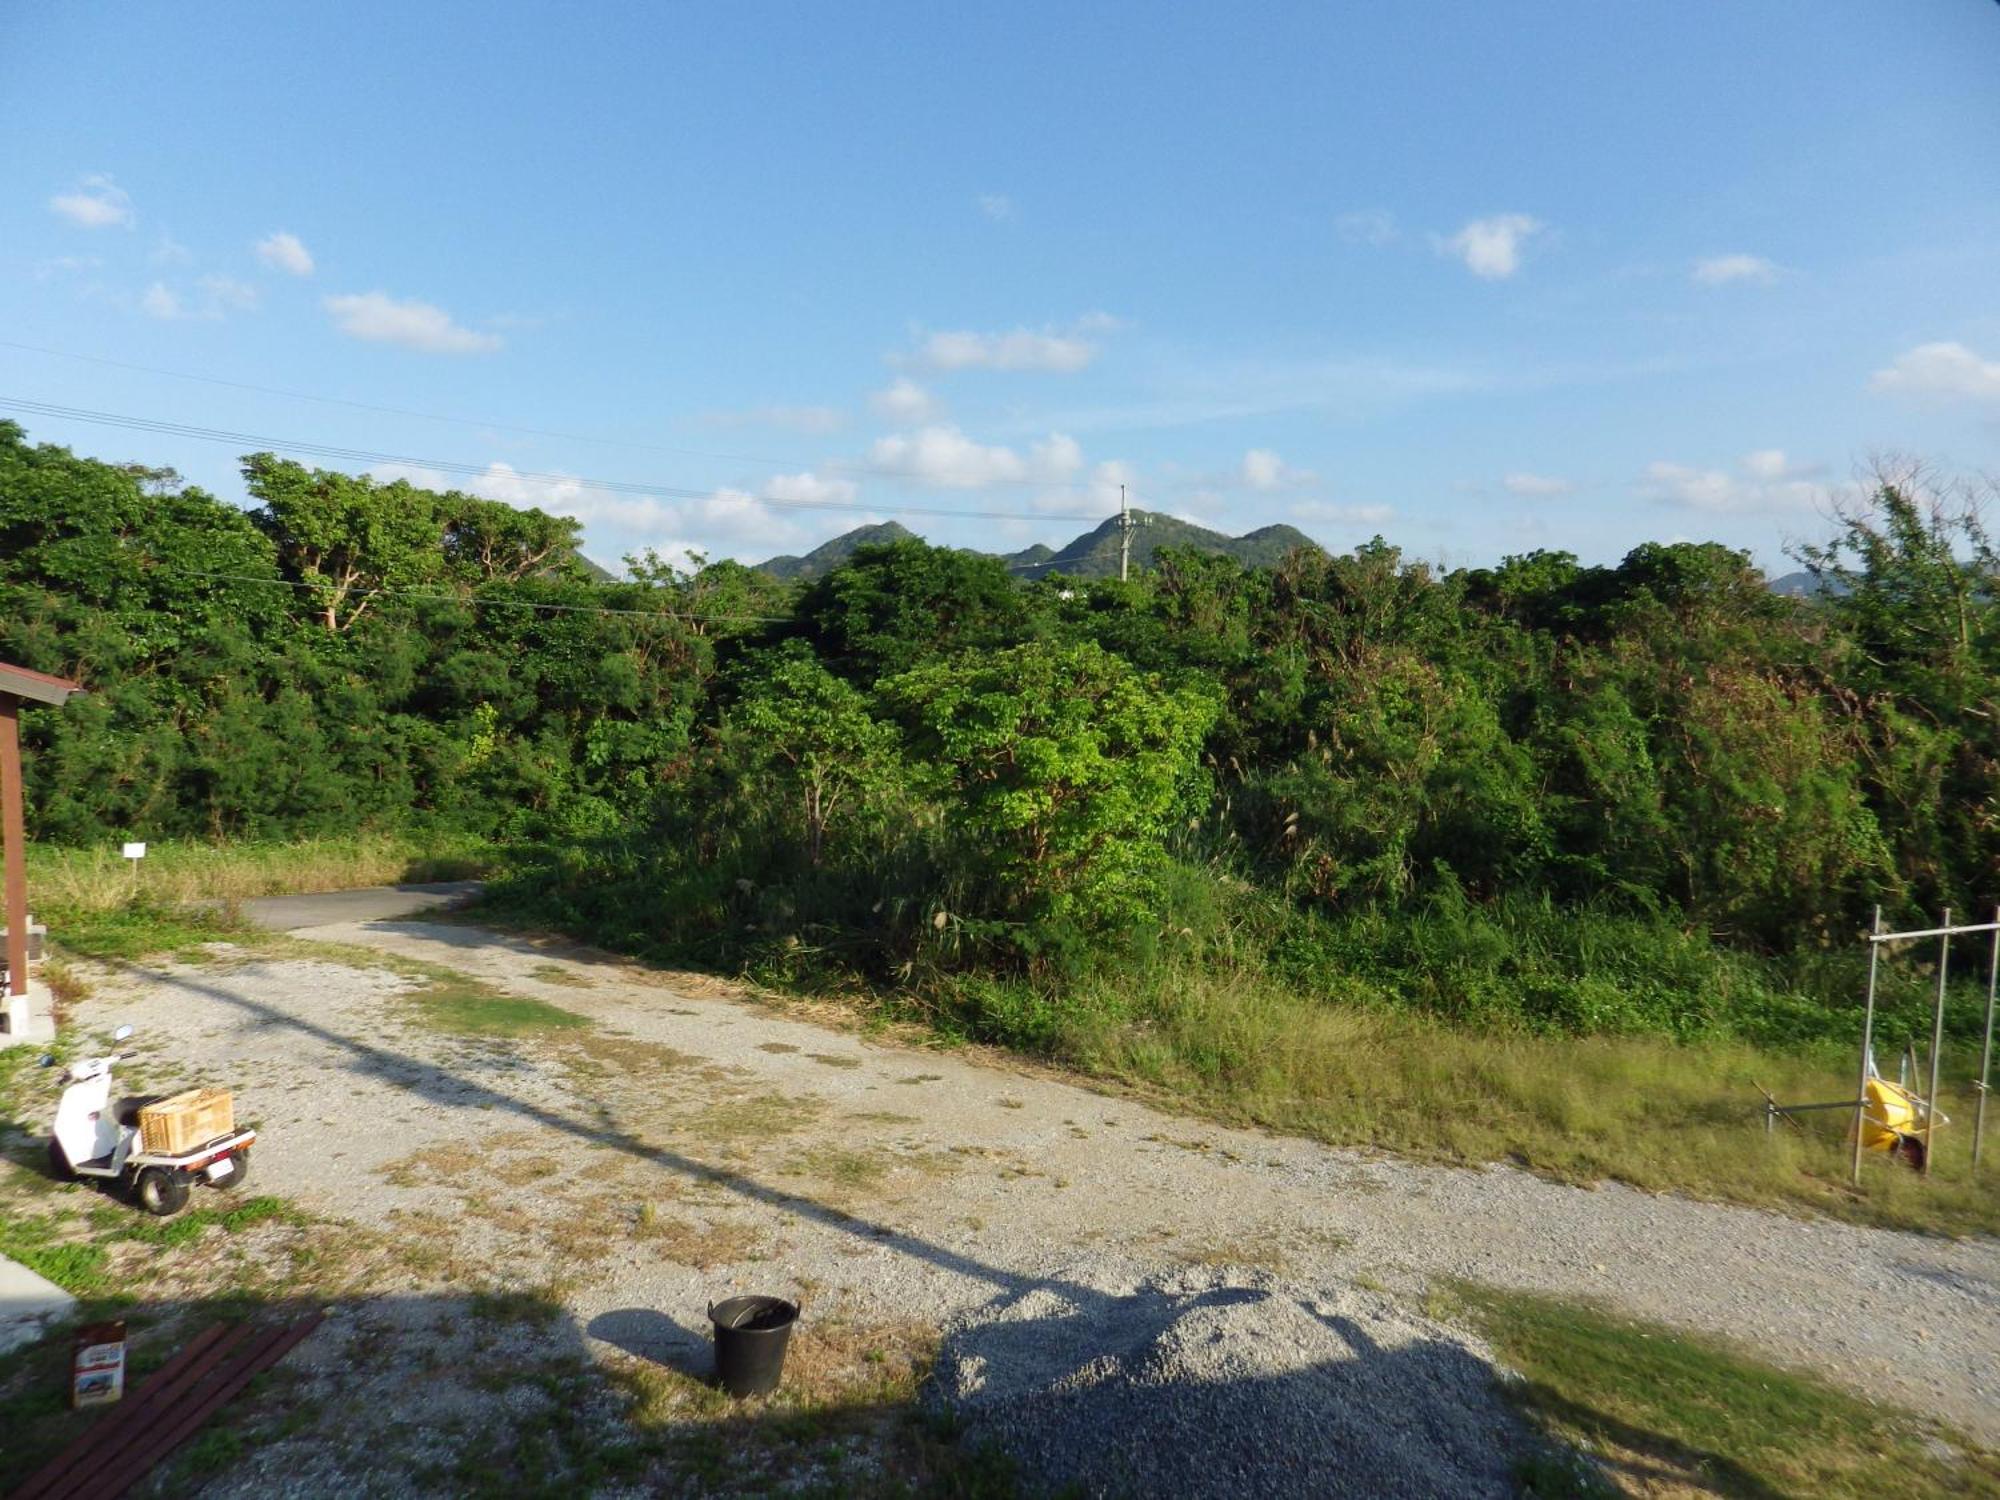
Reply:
x=135 y=851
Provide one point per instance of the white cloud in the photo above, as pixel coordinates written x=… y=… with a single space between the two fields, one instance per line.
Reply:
x=1023 y=349
x=943 y=455
x=811 y=489
x=379 y=318
x=170 y=252
x=1368 y=226
x=1942 y=369
x=67 y=265
x=1770 y=482
x=738 y=516
x=904 y=401
x=1056 y=456
x=1696 y=489
x=721 y=521
x=225 y=294
x=1263 y=469
x=559 y=494
x=1540 y=485
x=1344 y=515
x=284 y=251
x=996 y=206
x=95 y=203
x=946 y=456
x=1491 y=248
x=1720 y=270
x=217 y=297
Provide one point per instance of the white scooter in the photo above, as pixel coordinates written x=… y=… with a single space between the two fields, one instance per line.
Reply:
x=92 y=1140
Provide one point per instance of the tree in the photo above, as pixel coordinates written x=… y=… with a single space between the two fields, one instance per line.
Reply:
x=897 y=604
x=346 y=536
x=817 y=728
x=1064 y=767
x=485 y=541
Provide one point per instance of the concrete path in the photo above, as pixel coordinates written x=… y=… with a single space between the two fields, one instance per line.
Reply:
x=28 y=1301
x=375 y=903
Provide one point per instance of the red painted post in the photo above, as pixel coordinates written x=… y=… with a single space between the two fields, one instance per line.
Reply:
x=12 y=827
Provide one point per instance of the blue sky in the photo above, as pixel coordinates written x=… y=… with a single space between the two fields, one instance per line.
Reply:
x=1479 y=277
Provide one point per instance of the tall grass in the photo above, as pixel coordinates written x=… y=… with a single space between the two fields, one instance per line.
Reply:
x=67 y=880
x=1645 y=1110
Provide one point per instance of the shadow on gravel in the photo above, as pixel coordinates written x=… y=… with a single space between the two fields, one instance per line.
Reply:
x=487 y=1396
x=439 y=1085
x=440 y=1393
x=645 y=1333
x=1115 y=1392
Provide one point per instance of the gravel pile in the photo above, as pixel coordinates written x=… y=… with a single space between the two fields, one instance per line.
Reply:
x=1203 y=1386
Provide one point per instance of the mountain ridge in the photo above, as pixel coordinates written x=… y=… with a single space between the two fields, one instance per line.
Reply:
x=1094 y=554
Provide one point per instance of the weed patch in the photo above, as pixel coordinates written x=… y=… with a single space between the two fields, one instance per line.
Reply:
x=1668 y=1413
x=752 y=1118
x=468 y=1007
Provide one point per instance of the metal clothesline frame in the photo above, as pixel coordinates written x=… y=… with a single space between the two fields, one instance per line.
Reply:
x=1944 y=934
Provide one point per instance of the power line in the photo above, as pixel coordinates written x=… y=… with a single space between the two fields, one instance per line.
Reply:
x=252 y=441
x=839 y=466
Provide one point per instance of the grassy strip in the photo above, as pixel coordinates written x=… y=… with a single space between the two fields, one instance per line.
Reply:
x=1667 y=1413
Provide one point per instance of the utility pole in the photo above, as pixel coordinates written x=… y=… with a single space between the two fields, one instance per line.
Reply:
x=1126 y=521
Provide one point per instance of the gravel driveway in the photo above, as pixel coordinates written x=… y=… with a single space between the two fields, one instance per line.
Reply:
x=685 y=1145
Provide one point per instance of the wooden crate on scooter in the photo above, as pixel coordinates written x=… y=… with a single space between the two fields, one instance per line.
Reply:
x=175 y=1126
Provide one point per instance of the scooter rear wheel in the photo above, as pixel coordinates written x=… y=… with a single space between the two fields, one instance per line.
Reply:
x=241 y=1174
x=161 y=1191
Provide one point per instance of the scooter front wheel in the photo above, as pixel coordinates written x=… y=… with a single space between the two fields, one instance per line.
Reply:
x=161 y=1191
x=59 y=1167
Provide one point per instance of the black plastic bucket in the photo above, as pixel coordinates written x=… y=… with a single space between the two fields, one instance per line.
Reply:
x=750 y=1338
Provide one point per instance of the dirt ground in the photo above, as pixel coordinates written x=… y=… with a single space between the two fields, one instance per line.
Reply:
x=667 y=1143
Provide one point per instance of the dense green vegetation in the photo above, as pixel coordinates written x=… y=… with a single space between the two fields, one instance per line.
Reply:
x=1545 y=798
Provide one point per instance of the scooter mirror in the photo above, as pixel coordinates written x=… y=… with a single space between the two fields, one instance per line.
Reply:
x=121 y=1033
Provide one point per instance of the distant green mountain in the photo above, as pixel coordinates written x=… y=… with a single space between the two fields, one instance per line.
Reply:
x=1095 y=553
x=1805 y=586
x=1092 y=555
x=1030 y=559
x=830 y=555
